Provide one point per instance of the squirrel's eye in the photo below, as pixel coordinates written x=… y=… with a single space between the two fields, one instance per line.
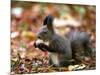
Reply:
x=45 y=32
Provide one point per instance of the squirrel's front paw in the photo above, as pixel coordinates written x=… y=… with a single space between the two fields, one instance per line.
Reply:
x=37 y=42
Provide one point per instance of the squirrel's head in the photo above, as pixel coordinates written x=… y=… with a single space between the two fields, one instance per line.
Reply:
x=46 y=31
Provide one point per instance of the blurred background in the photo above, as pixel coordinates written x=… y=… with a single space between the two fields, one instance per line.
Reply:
x=27 y=19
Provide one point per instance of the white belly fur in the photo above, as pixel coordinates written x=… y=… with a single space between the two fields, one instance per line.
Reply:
x=54 y=58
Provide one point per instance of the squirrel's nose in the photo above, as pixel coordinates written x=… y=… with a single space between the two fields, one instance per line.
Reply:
x=39 y=36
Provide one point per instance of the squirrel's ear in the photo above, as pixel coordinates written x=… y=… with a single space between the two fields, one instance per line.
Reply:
x=49 y=22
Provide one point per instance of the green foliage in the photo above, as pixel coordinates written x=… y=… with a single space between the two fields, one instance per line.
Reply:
x=22 y=45
x=24 y=26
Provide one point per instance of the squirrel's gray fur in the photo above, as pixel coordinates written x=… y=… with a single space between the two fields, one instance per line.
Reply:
x=80 y=44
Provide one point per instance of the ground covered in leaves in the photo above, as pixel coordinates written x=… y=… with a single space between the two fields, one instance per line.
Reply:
x=41 y=65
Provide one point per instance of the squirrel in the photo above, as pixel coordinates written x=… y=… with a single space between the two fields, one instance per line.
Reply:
x=72 y=48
